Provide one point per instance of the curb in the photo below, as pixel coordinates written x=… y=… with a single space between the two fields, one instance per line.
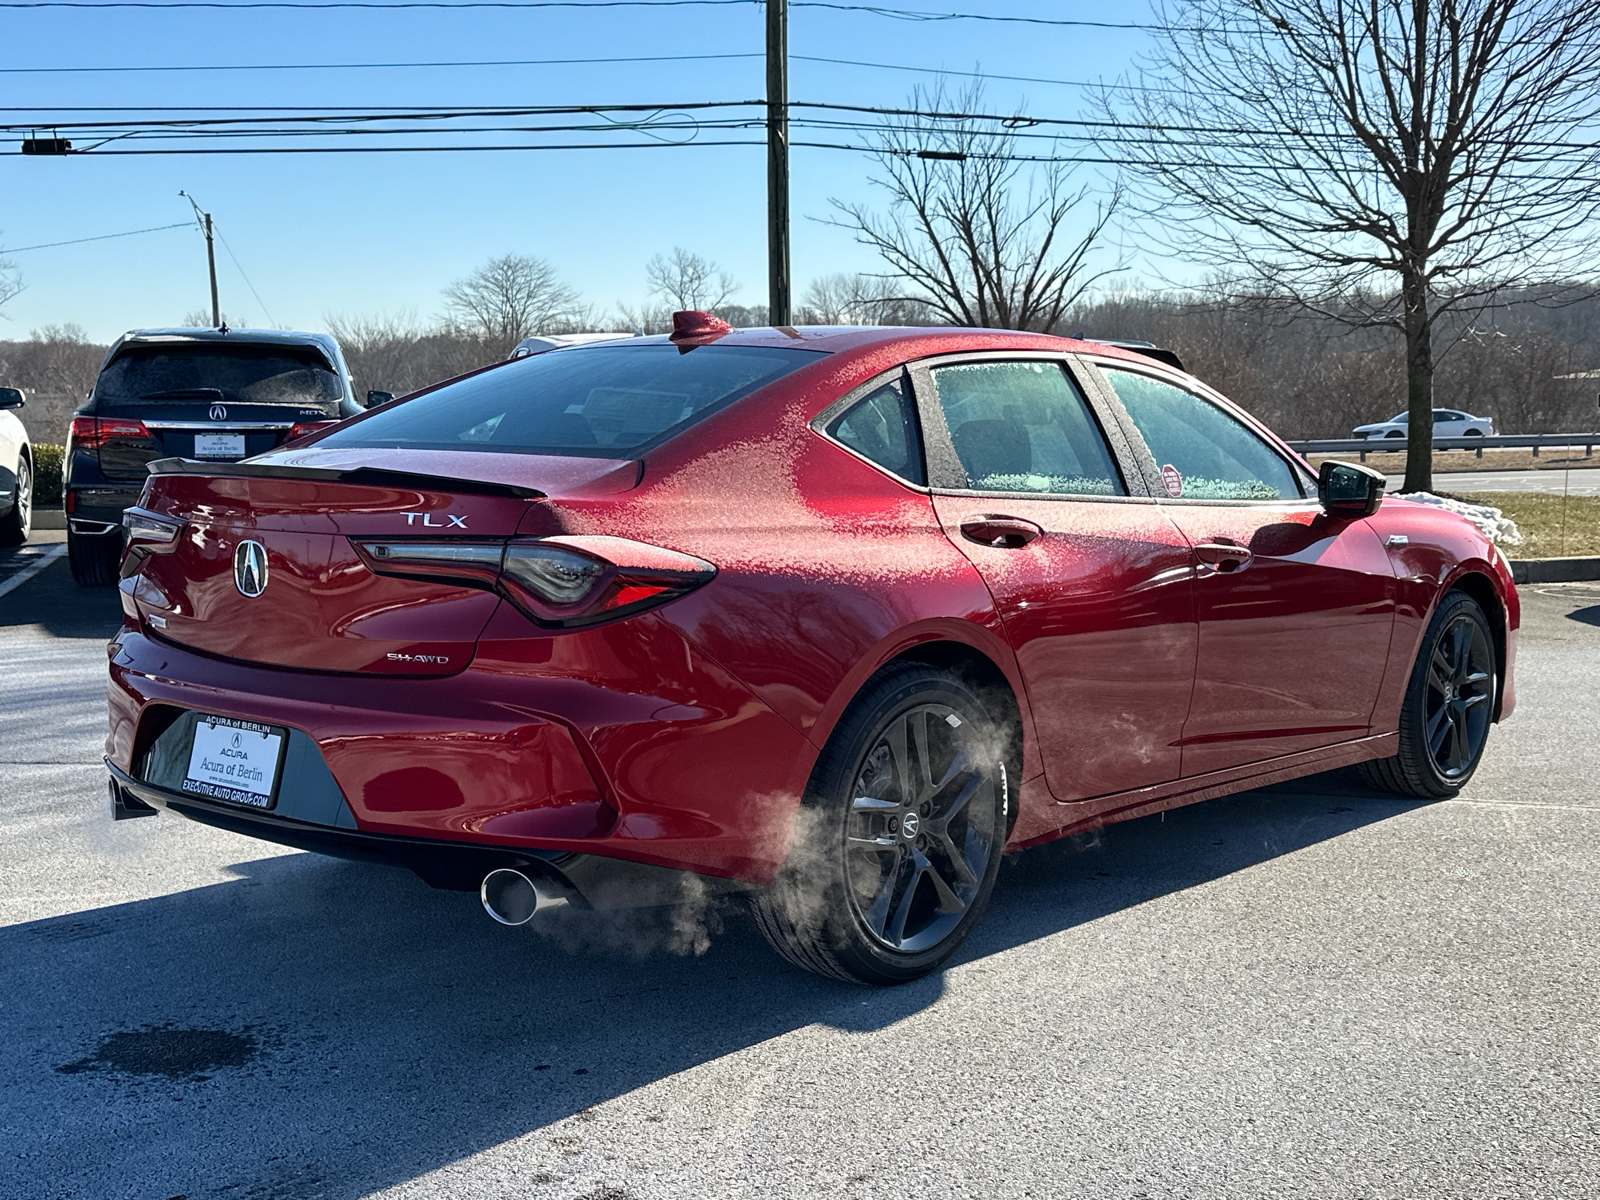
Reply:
x=49 y=518
x=1554 y=570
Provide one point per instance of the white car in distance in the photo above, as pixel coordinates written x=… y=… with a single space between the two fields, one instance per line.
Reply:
x=16 y=472
x=1447 y=423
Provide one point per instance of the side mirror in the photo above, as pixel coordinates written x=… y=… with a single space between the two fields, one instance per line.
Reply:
x=11 y=398
x=376 y=398
x=1350 y=490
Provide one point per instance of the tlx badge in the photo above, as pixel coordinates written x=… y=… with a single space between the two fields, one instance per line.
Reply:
x=451 y=521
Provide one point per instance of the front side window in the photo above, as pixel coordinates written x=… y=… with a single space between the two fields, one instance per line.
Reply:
x=603 y=401
x=1203 y=452
x=1024 y=427
x=882 y=427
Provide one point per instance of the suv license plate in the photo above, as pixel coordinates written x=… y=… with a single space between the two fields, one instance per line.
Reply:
x=236 y=761
x=219 y=445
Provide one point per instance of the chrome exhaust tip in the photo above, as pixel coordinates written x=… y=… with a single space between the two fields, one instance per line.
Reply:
x=512 y=897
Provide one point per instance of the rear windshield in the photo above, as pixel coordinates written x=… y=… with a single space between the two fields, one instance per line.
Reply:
x=599 y=401
x=242 y=373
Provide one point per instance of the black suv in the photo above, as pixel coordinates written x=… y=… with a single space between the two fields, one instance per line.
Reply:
x=221 y=394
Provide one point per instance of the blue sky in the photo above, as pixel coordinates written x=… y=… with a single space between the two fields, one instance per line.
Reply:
x=383 y=233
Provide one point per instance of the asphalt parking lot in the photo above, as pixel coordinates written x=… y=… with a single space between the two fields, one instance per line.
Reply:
x=1313 y=990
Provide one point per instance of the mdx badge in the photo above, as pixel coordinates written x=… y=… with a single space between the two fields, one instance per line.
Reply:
x=250 y=569
x=451 y=521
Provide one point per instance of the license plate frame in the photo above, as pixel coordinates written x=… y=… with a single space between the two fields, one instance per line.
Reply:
x=219 y=445
x=236 y=762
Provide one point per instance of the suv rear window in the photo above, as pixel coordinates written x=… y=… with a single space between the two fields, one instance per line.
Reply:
x=601 y=401
x=152 y=374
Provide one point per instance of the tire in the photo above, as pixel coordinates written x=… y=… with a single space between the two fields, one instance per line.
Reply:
x=1394 y=433
x=1449 y=706
x=884 y=883
x=1473 y=433
x=94 y=559
x=18 y=523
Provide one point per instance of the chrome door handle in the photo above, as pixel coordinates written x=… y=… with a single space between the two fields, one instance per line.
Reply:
x=1000 y=531
x=1224 y=556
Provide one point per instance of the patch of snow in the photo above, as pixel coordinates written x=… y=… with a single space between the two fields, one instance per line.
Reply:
x=1496 y=526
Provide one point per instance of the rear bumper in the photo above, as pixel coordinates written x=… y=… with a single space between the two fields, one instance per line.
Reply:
x=96 y=510
x=653 y=755
x=444 y=864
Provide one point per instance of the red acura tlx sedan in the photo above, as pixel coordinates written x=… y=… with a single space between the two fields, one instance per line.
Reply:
x=839 y=614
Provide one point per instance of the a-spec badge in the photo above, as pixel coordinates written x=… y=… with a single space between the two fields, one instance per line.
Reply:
x=451 y=521
x=250 y=569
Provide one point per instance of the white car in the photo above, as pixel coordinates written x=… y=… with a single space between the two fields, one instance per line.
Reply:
x=1447 y=423
x=16 y=472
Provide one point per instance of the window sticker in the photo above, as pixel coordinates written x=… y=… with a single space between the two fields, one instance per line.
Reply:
x=1173 y=480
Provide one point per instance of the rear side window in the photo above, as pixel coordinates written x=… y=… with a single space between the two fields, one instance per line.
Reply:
x=601 y=401
x=242 y=373
x=1203 y=452
x=1023 y=427
x=882 y=427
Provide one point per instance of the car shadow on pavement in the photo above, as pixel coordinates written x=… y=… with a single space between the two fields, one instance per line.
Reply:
x=344 y=1026
x=54 y=603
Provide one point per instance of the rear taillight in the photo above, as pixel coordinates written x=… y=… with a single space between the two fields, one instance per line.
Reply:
x=304 y=428
x=560 y=581
x=148 y=533
x=91 y=433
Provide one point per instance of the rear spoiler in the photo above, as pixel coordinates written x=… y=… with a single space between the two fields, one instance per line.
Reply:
x=371 y=476
x=1149 y=349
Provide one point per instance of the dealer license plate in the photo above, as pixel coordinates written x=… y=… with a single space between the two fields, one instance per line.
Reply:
x=236 y=761
x=219 y=445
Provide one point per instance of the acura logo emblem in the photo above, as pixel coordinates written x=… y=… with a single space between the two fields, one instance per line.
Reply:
x=218 y=413
x=250 y=569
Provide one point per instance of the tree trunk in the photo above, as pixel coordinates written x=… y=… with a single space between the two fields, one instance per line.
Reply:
x=1419 y=385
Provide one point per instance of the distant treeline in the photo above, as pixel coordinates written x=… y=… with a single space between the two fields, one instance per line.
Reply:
x=1305 y=375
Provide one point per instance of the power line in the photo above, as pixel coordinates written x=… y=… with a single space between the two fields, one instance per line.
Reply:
x=559 y=62
x=898 y=14
x=101 y=238
x=246 y=278
x=506 y=62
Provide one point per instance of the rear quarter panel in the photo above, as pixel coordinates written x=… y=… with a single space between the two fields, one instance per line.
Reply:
x=827 y=567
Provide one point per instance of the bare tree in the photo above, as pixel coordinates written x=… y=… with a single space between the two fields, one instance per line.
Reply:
x=1376 y=161
x=10 y=282
x=974 y=232
x=689 y=281
x=510 y=298
x=841 y=299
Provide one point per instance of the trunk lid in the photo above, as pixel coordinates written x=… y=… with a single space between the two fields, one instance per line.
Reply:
x=321 y=608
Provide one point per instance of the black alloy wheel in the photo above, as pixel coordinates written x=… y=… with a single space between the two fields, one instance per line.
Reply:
x=18 y=523
x=897 y=844
x=1449 y=705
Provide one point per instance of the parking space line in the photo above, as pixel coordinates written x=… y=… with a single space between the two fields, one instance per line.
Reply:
x=38 y=564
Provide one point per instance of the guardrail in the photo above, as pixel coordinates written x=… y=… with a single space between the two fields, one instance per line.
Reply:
x=1394 y=445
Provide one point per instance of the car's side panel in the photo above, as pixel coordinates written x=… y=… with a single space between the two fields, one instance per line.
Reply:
x=1293 y=644
x=1100 y=609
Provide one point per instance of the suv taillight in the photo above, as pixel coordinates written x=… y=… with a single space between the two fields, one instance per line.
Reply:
x=557 y=581
x=302 y=428
x=93 y=432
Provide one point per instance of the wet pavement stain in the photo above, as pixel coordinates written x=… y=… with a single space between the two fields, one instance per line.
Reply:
x=175 y=1053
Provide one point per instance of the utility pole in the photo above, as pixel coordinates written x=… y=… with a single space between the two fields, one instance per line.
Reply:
x=778 y=282
x=211 y=258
